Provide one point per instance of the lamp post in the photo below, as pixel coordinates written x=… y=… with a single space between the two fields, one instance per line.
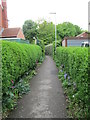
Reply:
x=55 y=30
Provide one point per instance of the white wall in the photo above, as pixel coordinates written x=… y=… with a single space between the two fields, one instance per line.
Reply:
x=63 y=43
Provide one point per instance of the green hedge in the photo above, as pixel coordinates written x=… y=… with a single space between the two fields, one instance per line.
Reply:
x=16 y=60
x=0 y=78
x=41 y=44
x=49 y=49
x=73 y=64
x=58 y=44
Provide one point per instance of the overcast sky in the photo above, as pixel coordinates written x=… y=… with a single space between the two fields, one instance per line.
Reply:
x=74 y=11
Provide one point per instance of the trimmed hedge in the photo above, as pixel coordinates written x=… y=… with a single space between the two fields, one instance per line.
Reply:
x=16 y=60
x=0 y=78
x=58 y=44
x=49 y=49
x=73 y=64
x=41 y=44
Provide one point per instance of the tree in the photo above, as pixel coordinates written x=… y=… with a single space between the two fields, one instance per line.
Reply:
x=30 y=30
x=78 y=30
x=46 y=32
x=67 y=29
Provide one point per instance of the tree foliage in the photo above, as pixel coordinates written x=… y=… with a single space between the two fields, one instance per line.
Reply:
x=67 y=29
x=30 y=30
x=46 y=32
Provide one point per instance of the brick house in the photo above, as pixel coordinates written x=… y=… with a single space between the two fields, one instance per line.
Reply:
x=12 y=33
x=76 y=41
x=89 y=16
x=6 y=32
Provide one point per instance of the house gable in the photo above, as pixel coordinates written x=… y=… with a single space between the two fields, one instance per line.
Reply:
x=20 y=34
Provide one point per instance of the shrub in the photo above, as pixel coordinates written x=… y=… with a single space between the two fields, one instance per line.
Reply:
x=73 y=63
x=49 y=49
x=41 y=44
x=16 y=60
x=58 y=44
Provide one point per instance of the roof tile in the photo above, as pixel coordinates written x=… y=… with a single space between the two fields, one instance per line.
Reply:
x=10 y=32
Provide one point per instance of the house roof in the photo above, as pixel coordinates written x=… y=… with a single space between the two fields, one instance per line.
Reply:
x=84 y=35
x=10 y=32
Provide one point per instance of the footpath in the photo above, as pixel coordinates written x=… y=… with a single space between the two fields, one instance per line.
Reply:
x=46 y=97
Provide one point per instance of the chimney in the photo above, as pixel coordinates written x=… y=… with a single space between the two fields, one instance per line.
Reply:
x=0 y=17
x=89 y=16
x=4 y=14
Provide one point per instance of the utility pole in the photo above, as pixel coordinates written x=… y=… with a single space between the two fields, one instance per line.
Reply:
x=55 y=30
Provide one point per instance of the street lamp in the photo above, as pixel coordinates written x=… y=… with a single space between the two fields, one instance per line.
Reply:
x=55 y=30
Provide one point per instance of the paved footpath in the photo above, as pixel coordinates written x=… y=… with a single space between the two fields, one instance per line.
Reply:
x=46 y=98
